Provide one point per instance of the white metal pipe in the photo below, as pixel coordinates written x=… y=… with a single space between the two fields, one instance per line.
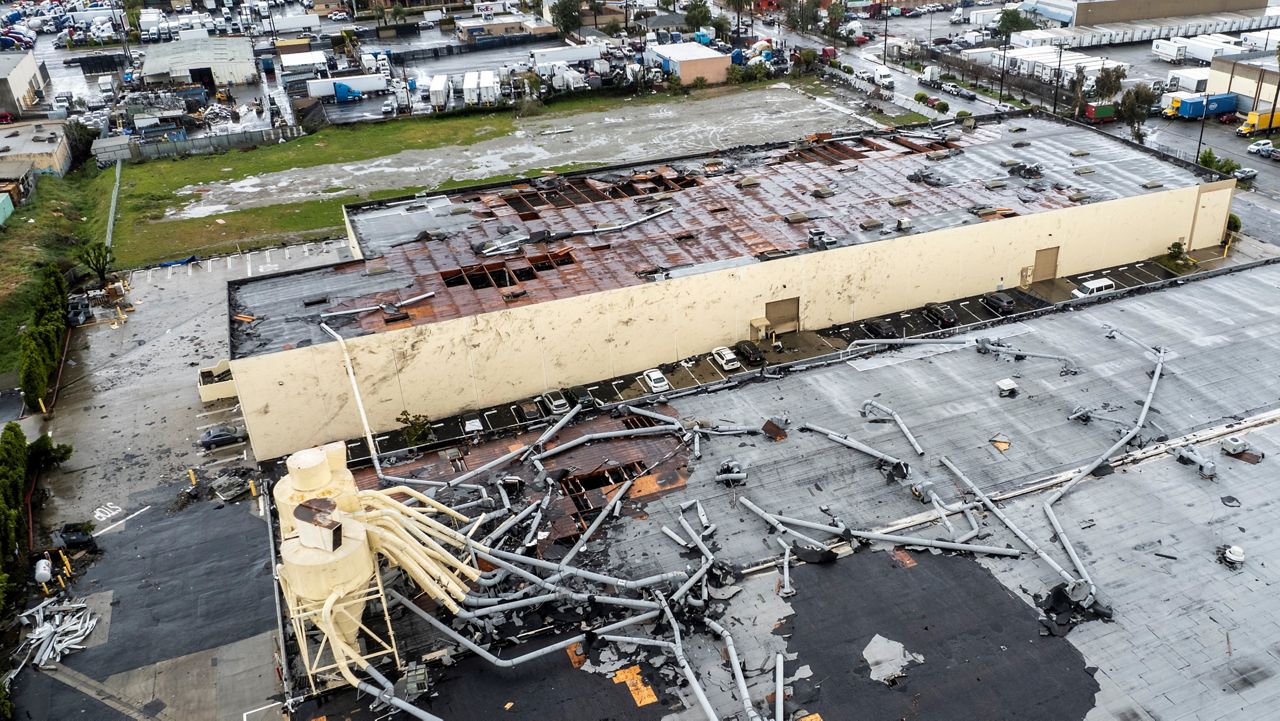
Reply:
x=669 y=420
x=512 y=662
x=656 y=430
x=900 y=540
x=995 y=511
x=769 y=519
x=355 y=394
x=599 y=520
x=495 y=463
x=778 y=696
x=848 y=442
x=736 y=665
x=551 y=432
x=580 y=573
x=1080 y=475
x=896 y=419
x=912 y=341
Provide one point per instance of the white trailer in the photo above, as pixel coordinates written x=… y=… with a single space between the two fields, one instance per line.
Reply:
x=1167 y=99
x=364 y=84
x=441 y=91
x=1202 y=51
x=295 y=23
x=571 y=55
x=471 y=88
x=1263 y=40
x=488 y=88
x=1192 y=80
x=1169 y=51
x=982 y=18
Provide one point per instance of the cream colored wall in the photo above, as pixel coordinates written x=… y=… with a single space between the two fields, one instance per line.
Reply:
x=301 y=398
x=1253 y=84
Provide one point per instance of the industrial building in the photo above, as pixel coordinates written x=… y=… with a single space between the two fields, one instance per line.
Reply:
x=1252 y=76
x=1097 y=12
x=475 y=30
x=206 y=60
x=43 y=144
x=22 y=79
x=689 y=61
x=568 y=280
x=891 y=532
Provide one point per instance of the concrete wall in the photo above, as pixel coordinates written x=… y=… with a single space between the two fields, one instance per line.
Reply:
x=1111 y=11
x=715 y=70
x=18 y=90
x=1255 y=86
x=300 y=398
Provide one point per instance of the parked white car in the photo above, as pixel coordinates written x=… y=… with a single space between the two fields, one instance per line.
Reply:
x=726 y=359
x=1260 y=145
x=656 y=382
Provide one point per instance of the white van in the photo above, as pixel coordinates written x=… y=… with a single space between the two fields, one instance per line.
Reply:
x=1091 y=288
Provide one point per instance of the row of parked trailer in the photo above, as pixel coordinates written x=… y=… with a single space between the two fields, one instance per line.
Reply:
x=1044 y=64
x=1087 y=36
x=1201 y=49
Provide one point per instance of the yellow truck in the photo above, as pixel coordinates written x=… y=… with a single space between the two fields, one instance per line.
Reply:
x=1257 y=121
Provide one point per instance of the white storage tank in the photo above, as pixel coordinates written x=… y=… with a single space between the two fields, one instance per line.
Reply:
x=315 y=473
x=330 y=554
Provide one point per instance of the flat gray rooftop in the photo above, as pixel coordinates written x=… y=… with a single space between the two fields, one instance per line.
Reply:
x=1167 y=655
x=743 y=205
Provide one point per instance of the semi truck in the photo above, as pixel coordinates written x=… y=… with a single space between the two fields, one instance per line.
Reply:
x=1255 y=122
x=571 y=55
x=295 y=23
x=1198 y=106
x=1203 y=51
x=1099 y=113
x=354 y=87
x=931 y=77
x=883 y=78
x=1191 y=80
x=1169 y=51
x=440 y=92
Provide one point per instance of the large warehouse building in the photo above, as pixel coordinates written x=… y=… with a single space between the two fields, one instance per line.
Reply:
x=488 y=296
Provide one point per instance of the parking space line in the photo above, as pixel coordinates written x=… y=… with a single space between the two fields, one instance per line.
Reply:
x=248 y=263
x=122 y=520
x=219 y=423
x=245 y=717
x=236 y=407
x=1140 y=269
x=287 y=254
x=244 y=455
x=170 y=274
x=306 y=250
x=188 y=270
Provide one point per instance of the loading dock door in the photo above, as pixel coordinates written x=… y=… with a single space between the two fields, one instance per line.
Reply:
x=1046 y=264
x=783 y=315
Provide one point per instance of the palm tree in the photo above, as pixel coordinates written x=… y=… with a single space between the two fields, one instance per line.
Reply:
x=737 y=6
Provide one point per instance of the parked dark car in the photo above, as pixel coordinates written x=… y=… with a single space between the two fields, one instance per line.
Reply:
x=528 y=411
x=940 y=314
x=581 y=396
x=749 y=352
x=881 y=328
x=221 y=436
x=74 y=537
x=1001 y=303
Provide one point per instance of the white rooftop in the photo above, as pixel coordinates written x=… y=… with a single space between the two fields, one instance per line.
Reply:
x=307 y=59
x=686 y=51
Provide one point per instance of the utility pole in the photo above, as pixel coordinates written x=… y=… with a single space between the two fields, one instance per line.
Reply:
x=1004 y=65
x=885 y=59
x=1057 y=81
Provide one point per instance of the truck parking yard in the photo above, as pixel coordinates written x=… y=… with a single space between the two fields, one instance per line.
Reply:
x=456 y=365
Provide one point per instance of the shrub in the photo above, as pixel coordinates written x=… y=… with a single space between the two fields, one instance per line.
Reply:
x=1233 y=223
x=848 y=69
x=40 y=348
x=963 y=114
x=942 y=106
x=922 y=97
x=699 y=83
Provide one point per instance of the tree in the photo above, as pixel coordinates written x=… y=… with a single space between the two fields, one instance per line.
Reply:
x=613 y=28
x=722 y=26
x=1012 y=21
x=596 y=7
x=810 y=14
x=1076 y=87
x=737 y=6
x=1233 y=223
x=835 y=19
x=380 y=13
x=80 y=139
x=808 y=58
x=942 y=106
x=1132 y=109
x=417 y=428
x=397 y=13
x=44 y=454
x=1210 y=160
x=95 y=256
x=566 y=15
x=697 y=15
x=1108 y=82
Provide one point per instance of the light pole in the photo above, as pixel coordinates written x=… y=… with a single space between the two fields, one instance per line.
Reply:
x=1004 y=65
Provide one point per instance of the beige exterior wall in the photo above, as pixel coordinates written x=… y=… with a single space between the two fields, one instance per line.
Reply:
x=1112 y=11
x=715 y=70
x=301 y=398
x=1255 y=86
x=24 y=81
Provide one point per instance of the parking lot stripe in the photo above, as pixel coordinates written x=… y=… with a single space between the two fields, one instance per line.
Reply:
x=122 y=520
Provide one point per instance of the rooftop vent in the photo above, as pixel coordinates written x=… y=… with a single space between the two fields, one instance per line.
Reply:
x=1079 y=153
x=1086 y=170
x=1153 y=184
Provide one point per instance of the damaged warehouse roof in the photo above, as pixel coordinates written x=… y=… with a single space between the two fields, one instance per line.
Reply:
x=1186 y=375
x=438 y=257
